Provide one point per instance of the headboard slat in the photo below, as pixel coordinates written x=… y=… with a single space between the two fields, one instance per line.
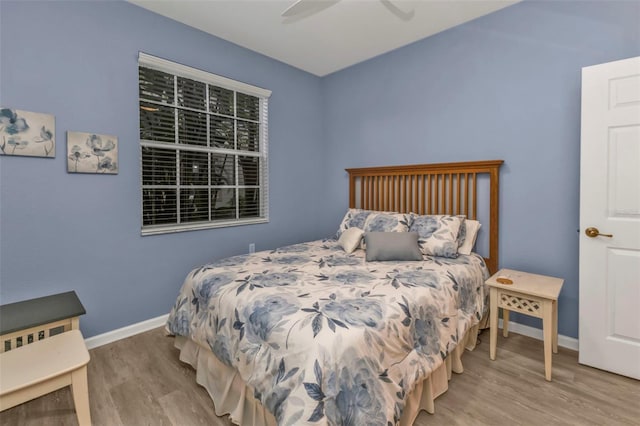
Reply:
x=474 y=214
x=459 y=197
x=466 y=194
x=443 y=188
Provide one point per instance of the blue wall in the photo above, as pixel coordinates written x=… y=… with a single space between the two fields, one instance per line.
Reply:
x=62 y=231
x=505 y=86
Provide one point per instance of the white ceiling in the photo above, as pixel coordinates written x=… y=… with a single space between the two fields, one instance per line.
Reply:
x=340 y=35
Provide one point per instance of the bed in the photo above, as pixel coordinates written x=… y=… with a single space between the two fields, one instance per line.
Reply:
x=311 y=334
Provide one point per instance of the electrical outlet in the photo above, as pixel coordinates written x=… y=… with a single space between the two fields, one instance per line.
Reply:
x=252 y=248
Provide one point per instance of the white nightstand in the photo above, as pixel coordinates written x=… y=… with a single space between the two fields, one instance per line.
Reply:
x=530 y=294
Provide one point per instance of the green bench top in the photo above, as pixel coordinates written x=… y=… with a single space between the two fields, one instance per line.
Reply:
x=42 y=310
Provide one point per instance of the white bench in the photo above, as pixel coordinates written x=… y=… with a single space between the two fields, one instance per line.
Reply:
x=44 y=366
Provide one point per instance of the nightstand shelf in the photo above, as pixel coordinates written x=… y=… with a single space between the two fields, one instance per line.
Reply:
x=529 y=294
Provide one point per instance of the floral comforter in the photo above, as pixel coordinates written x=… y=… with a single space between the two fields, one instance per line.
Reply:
x=324 y=337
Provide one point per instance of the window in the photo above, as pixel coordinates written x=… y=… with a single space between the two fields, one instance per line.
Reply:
x=203 y=141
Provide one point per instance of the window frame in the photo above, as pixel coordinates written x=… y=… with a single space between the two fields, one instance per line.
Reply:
x=179 y=70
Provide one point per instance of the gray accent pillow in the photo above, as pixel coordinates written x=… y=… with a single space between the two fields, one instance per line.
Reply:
x=382 y=246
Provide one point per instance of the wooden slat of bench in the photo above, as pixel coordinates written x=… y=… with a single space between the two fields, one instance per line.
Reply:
x=45 y=329
x=42 y=360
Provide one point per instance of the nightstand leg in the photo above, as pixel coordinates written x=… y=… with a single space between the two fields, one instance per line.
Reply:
x=493 y=323
x=555 y=326
x=547 y=329
x=505 y=322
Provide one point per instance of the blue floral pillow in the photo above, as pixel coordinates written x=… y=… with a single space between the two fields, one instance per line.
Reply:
x=438 y=234
x=354 y=218
x=462 y=235
x=387 y=222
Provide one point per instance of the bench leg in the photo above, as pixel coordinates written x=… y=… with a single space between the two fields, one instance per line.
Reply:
x=80 y=390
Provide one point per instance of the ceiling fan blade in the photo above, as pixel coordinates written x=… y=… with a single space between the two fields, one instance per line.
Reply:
x=307 y=7
x=405 y=16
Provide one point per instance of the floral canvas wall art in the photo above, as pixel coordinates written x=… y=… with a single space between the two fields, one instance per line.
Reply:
x=92 y=153
x=27 y=133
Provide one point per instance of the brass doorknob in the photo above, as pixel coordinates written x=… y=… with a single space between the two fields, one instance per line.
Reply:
x=594 y=232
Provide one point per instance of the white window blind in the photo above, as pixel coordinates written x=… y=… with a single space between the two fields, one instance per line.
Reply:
x=204 y=145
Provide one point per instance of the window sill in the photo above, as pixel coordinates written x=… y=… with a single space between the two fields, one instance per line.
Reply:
x=171 y=229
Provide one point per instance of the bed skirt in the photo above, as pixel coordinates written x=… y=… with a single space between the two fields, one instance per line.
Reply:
x=231 y=395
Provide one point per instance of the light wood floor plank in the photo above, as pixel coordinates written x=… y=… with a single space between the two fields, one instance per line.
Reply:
x=140 y=381
x=183 y=409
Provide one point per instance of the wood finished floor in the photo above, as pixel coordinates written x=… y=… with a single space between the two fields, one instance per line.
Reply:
x=140 y=381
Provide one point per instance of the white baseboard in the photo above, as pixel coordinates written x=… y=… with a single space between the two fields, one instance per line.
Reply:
x=150 y=324
x=124 y=332
x=536 y=333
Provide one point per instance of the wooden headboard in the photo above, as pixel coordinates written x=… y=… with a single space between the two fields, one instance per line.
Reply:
x=444 y=188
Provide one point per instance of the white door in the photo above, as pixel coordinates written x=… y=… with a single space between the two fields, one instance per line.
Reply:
x=610 y=204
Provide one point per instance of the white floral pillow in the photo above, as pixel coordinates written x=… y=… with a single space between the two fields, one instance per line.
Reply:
x=351 y=239
x=462 y=234
x=470 y=228
x=438 y=234
x=387 y=222
x=354 y=218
